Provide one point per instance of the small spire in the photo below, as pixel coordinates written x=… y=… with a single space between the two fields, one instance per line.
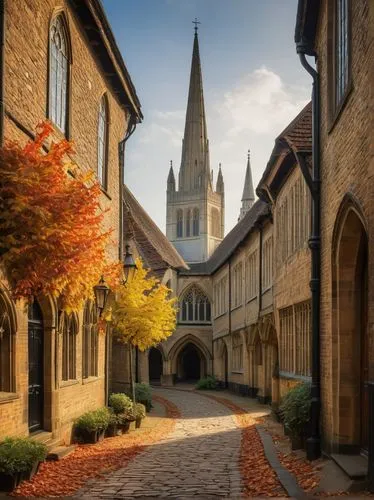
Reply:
x=220 y=186
x=171 y=178
x=248 y=197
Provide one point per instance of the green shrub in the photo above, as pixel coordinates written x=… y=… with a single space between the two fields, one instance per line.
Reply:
x=295 y=409
x=91 y=421
x=207 y=383
x=119 y=402
x=20 y=454
x=139 y=410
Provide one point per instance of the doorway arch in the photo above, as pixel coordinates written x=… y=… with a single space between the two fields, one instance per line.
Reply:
x=155 y=364
x=349 y=333
x=190 y=363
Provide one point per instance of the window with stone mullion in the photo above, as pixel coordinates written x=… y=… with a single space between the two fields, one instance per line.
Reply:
x=6 y=349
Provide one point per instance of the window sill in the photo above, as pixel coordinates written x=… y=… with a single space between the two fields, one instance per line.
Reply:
x=195 y=323
x=267 y=289
x=236 y=307
x=104 y=191
x=90 y=380
x=294 y=376
x=334 y=119
x=238 y=372
x=220 y=315
x=68 y=383
x=252 y=299
x=8 y=397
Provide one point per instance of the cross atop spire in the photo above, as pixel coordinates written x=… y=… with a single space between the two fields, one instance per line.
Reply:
x=196 y=22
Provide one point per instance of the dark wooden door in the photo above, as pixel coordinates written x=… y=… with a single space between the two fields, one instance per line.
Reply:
x=36 y=372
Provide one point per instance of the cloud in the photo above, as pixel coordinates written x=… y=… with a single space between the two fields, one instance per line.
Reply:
x=260 y=103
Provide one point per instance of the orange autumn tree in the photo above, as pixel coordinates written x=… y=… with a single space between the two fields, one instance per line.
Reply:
x=51 y=235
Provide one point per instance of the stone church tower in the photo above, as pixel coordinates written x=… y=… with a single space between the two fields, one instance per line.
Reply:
x=195 y=211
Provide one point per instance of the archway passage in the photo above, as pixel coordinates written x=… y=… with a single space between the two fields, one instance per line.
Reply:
x=351 y=314
x=190 y=363
x=36 y=368
x=155 y=365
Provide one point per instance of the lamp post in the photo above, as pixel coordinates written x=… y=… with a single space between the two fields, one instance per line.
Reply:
x=130 y=268
x=101 y=294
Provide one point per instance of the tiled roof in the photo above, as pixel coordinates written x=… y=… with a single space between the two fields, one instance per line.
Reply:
x=297 y=136
x=232 y=240
x=153 y=246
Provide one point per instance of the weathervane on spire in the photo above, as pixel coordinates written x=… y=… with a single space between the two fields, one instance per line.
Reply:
x=196 y=22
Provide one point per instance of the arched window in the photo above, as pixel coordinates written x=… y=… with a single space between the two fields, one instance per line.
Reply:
x=68 y=328
x=102 y=142
x=188 y=223
x=196 y=228
x=216 y=230
x=6 y=348
x=194 y=306
x=59 y=73
x=90 y=341
x=179 y=223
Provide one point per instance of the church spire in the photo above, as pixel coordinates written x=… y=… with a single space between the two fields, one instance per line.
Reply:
x=248 y=197
x=195 y=170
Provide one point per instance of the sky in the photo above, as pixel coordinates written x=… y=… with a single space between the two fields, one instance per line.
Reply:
x=254 y=85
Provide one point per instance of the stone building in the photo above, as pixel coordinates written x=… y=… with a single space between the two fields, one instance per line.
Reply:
x=61 y=62
x=340 y=35
x=284 y=188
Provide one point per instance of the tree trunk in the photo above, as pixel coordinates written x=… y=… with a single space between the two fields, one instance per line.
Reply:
x=132 y=381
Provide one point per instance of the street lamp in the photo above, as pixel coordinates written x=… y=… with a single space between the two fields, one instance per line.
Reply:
x=101 y=294
x=129 y=266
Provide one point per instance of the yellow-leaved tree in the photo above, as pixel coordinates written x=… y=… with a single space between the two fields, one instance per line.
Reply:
x=142 y=313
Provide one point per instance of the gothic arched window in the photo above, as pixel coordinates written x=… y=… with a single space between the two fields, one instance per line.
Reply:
x=102 y=142
x=6 y=348
x=188 y=223
x=180 y=223
x=196 y=228
x=90 y=341
x=216 y=232
x=194 y=306
x=59 y=58
x=68 y=327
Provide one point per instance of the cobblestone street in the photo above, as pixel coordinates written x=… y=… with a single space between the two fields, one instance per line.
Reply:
x=199 y=458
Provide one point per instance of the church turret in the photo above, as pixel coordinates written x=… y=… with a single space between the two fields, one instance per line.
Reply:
x=171 y=179
x=220 y=186
x=248 y=197
x=195 y=212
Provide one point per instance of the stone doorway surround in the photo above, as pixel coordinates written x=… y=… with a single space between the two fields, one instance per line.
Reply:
x=349 y=330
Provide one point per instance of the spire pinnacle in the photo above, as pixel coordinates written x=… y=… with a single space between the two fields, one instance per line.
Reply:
x=248 y=197
x=171 y=178
x=220 y=186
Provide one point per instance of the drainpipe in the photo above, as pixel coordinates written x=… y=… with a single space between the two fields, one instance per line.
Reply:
x=121 y=160
x=2 y=68
x=314 y=441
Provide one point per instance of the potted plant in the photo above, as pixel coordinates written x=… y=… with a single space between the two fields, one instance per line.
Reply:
x=19 y=460
x=122 y=408
x=113 y=427
x=92 y=425
x=295 y=411
x=143 y=395
x=139 y=410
